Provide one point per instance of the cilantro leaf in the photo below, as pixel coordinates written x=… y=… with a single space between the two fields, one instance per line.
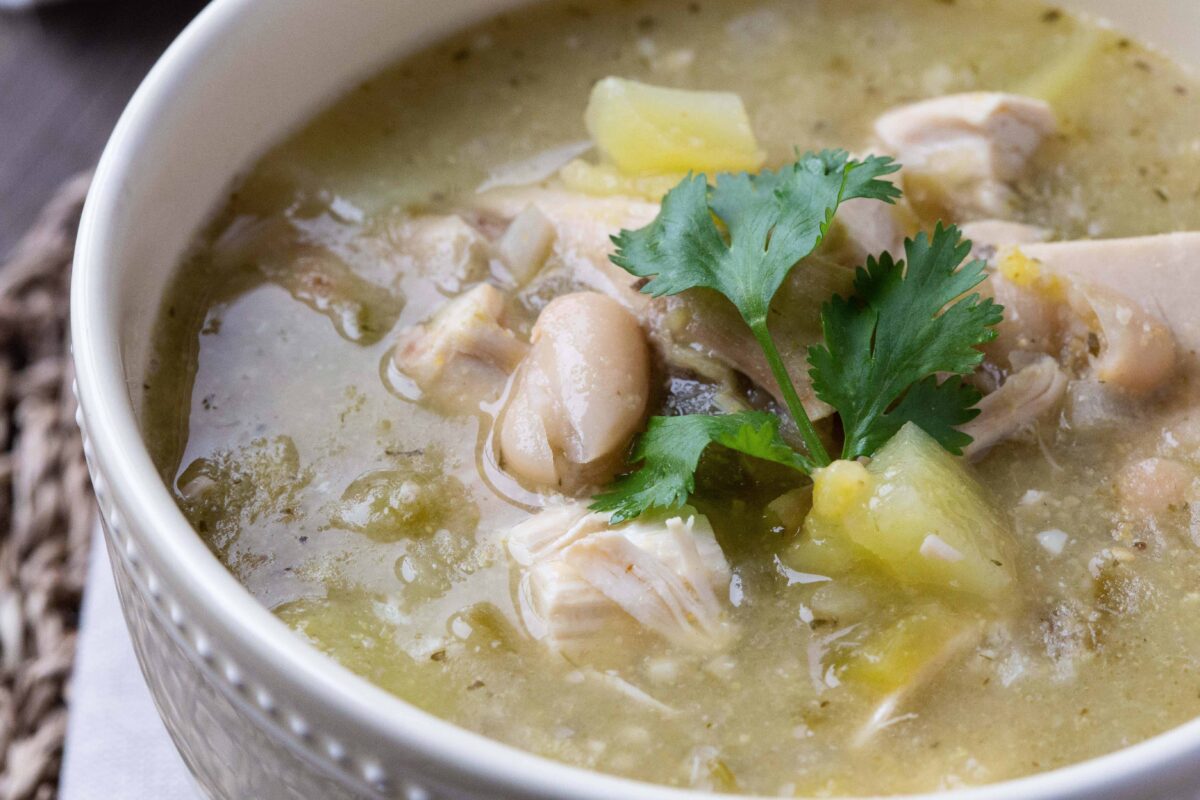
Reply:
x=885 y=347
x=670 y=451
x=772 y=220
x=937 y=407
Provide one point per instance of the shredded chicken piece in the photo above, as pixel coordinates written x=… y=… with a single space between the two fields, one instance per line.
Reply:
x=584 y=580
x=1016 y=405
x=464 y=353
x=552 y=530
x=678 y=606
x=1100 y=305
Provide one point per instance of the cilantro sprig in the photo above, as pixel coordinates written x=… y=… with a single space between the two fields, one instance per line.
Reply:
x=771 y=221
x=885 y=349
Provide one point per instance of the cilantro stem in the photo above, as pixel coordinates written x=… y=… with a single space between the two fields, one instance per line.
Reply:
x=807 y=432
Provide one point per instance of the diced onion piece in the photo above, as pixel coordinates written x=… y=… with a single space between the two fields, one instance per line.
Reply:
x=1052 y=541
x=904 y=653
x=526 y=244
x=1031 y=497
x=935 y=546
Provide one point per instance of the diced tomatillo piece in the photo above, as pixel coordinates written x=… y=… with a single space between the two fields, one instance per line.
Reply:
x=900 y=658
x=648 y=130
x=914 y=512
x=894 y=656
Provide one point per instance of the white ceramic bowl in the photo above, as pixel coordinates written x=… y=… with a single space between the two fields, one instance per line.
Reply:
x=255 y=711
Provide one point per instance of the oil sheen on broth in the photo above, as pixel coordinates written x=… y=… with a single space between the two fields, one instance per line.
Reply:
x=372 y=523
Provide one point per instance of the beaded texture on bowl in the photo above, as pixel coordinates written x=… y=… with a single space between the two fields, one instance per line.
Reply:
x=234 y=737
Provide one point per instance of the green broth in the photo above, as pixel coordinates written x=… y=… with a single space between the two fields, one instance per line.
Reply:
x=265 y=403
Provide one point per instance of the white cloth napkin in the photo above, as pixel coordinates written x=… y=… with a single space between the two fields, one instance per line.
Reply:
x=117 y=747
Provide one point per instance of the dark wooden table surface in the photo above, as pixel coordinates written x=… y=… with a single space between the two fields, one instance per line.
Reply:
x=66 y=71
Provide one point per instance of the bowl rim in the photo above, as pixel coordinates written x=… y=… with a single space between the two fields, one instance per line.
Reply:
x=190 y=570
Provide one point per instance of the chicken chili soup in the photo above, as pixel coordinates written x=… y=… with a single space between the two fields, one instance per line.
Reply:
x=779 y=397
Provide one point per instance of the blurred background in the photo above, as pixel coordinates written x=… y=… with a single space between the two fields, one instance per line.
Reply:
x=66 y=71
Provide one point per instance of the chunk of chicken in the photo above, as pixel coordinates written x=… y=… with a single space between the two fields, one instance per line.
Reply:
x=1161 y=273
x=443 y=248
x=1035 y=317
x=865 y=227
x=464 y=353
x=961 y=152
x=1067 y=298
x=1137 y=350
x=583 y=227
x=584 y=581
x=1019 y=402
x=579 y=397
